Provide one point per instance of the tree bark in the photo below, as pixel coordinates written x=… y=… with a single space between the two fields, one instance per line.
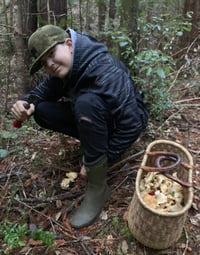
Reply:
x=53 y=11
x=129 y=14
x=18 y=62
x=102 y=14
x=190 y=37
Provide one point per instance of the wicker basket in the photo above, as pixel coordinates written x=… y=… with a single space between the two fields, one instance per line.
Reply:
x=160 y=230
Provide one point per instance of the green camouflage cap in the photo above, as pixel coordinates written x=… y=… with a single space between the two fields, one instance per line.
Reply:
x=42 y=40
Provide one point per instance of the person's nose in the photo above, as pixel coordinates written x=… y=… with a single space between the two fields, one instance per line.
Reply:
x=49 y=62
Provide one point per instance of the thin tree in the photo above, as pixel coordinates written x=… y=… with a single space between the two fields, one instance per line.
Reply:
x=188 y=38
x=19 y=66
x=129 y=14
x=102 y=7
x=54 y=12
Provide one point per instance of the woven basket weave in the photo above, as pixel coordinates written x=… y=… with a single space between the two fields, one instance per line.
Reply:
x=160 y=230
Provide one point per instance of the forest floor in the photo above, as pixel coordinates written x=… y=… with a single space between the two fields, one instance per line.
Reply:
x=31 y=194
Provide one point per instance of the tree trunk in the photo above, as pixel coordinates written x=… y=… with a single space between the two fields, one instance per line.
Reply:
x=190 y=37
x=129 y=14
x=112 y=9
x=53 y=11
x=102 y=14
x=112 y=12
x=31 y=17
x=18 y=62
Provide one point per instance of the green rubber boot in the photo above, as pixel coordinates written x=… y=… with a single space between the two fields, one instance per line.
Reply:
x=97 y=193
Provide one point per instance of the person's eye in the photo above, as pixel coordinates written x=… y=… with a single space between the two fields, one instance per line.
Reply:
x=51 y=53
x=43 y=63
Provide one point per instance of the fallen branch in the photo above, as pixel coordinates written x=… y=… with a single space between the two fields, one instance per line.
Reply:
x=187 y=242
x=120 y=184
x=17 y=174
x=170 y=117
x=47 y=217
x=126 y=160
x=190 y=105
x=51 y=199
x=187 y=100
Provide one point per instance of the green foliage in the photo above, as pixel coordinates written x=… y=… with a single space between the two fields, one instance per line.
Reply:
x=42 y=21
x=122 y=229
x=3 y=153
x=14 y=234
x=151 y=71
x=152 y=63
x=45 y=236
x=6 y=138
x=63 y=22
x=162 y=32
x=153 y=76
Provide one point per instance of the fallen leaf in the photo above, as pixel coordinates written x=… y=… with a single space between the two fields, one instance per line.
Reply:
x=109 y=240
x=60 y=242
x=57 y=216
x=3 y=153
x=34 y=242
x=125 y=216
x=124 y=247
x=195 y=220
x=104 y=215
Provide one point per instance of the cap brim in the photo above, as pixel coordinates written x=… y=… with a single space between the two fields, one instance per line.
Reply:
x=36 y=66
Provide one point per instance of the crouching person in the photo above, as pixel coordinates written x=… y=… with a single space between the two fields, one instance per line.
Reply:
x=104 y=109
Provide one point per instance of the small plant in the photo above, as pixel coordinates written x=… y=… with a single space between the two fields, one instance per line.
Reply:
x=151 y=64
x=14 y=234
x=153 y=76
x=123 y=230
x=45 y=236
x=163 y=32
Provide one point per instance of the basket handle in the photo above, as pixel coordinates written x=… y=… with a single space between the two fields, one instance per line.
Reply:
x=161 y=156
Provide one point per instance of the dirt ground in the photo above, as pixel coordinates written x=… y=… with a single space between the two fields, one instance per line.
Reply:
x=30 y=178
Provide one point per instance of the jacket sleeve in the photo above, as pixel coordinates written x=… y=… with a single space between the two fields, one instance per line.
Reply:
x=50 y=89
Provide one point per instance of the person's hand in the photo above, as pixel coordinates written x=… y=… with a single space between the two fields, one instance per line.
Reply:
x=83 y=171
x=22 y=110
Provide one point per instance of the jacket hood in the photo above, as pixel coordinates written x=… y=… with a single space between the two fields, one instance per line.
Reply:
x=85 y=49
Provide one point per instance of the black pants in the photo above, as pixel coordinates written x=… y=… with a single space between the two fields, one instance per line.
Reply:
x=88 y=120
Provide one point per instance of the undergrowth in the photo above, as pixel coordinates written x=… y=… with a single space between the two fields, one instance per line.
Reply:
x=152 y=64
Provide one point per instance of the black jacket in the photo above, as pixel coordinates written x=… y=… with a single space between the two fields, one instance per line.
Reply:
x=94 y=70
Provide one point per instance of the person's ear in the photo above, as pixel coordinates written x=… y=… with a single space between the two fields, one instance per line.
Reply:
x=68 y=41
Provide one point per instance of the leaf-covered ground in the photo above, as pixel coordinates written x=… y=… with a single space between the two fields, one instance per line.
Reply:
x=30 y=178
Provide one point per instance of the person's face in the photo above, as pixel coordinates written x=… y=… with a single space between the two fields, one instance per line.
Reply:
x=58 y=60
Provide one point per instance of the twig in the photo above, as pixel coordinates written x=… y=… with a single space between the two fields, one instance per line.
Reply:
x=86 y=250
x=192 y=44
x=51 y=199
x=29 y=250
x=195 y=152
x=179 y=71
x=128 y=159
x=170 y=117
x=6 y=26
x=22 y=186
x=8 y=176
x=3 y=176
x=187 y=100
x=120 y=184
x=176 y=77
x=79 y=199
x=190 y=105
x=187 y=242
x=179 y=51
x=47 y=217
